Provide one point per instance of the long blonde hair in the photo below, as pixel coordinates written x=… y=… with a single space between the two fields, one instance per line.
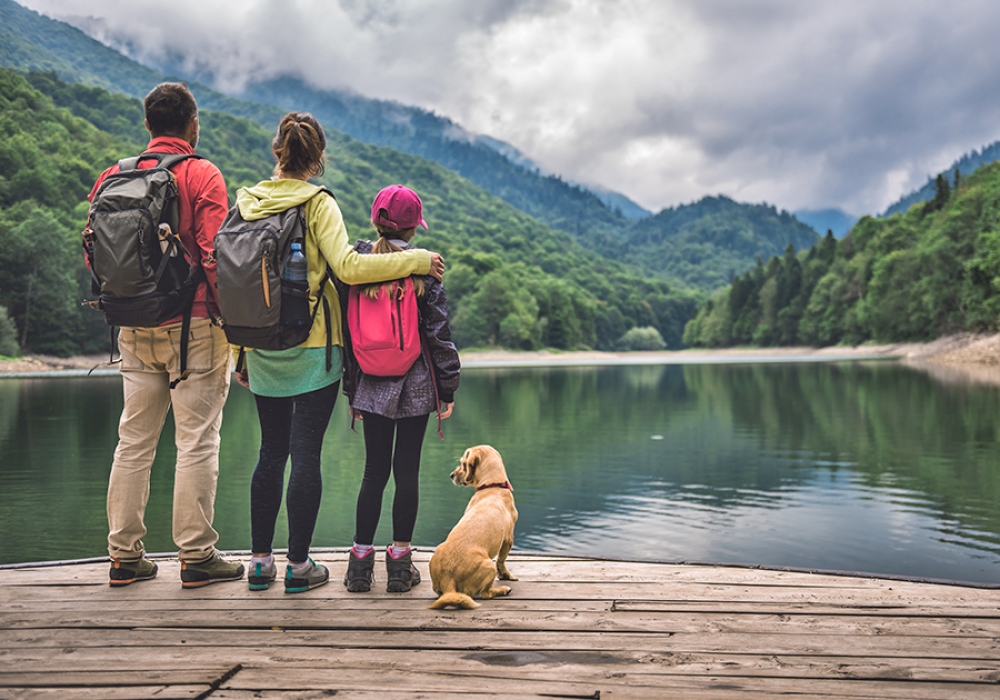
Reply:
x=384 y=246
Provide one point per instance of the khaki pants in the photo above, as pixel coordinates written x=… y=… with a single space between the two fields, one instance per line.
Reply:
x=150 y=360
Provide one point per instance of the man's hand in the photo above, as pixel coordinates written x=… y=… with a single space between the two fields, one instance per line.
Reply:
x=437 y=266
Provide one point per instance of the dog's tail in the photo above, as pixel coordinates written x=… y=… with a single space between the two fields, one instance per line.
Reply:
x=459 y=600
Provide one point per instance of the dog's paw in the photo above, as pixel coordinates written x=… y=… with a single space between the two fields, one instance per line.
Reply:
x=506 y=576
x=496 y=592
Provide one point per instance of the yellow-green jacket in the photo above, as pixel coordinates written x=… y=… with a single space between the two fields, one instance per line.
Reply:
x=327 y=244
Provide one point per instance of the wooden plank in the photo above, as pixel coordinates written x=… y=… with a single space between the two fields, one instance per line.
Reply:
x=54 y=602
x=106 y=677
x=629 y=694
x=160 y=593
x=567 y=571
x=146 y=692
x=514 y=620
x=414 y=680
x=400 y=679
x=987 y=650
x=96 y=574
x=266 y=694
x=585 y=664
x=417 y=601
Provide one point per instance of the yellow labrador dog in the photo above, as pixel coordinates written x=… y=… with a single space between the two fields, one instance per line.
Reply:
x=462 y=566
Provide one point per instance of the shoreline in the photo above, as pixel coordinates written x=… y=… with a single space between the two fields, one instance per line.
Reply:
x=961 y=357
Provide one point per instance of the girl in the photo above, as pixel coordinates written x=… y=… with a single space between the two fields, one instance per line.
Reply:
x=396 y=408
x=295 y=389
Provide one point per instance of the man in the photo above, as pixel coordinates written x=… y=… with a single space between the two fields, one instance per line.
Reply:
x=150 y=361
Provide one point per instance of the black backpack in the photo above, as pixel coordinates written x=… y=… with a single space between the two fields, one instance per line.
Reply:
x=254 y=299
x=142 y=273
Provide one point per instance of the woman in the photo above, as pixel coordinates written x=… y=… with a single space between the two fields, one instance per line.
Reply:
x=295 y=389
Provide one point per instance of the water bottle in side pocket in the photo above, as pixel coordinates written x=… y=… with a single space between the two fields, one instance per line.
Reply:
x=295 y=288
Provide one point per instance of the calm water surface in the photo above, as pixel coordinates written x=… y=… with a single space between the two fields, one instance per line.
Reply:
x=871 y=467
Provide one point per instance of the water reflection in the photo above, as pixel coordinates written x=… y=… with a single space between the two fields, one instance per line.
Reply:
x=865 y=467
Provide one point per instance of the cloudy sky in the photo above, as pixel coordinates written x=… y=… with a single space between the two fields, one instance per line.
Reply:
x=800 y=103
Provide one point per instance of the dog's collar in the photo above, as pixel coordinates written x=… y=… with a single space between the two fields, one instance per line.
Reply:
x=501 y=485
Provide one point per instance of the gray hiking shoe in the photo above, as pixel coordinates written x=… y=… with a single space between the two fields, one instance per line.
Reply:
x=123 y=572
x=314 y=577
x=195 y=574
x=360 y=572
x=403 y=575
x=260 y=576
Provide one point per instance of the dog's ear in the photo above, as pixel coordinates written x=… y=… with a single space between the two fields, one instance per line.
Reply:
x=471 y=460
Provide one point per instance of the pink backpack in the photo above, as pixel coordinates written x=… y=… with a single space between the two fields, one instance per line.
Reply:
x=385 y=331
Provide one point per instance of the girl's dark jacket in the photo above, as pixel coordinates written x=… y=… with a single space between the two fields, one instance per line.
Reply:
x=413 y=393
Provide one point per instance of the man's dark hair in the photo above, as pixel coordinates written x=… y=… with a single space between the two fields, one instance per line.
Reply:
x=170 y=108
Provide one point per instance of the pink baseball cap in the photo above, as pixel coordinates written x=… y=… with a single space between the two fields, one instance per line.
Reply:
x=398 y=208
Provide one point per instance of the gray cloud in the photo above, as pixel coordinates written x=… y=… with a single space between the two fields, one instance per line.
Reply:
x=843 y=103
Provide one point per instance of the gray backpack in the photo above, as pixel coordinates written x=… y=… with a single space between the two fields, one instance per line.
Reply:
x=253 y=297
x=142 y=273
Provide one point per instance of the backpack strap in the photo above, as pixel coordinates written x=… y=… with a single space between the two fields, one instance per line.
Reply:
x=437 y=396
x=197 y=277
x=126 y=164
x=329 y=276
x=163 y=160
x=329 y=334
x=426 y=350
x=169 y=160
x=185 y=332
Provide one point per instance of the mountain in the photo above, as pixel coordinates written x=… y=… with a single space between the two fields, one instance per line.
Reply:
x=705 y=243
x=964 y=165
x=30 y=41
x=511 y=280
x=604 y=222
x=548 y=198
x=621 y=203
x=823 y=220
x=930 y=271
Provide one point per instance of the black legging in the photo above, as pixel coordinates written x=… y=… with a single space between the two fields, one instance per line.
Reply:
x=292 y=425
x=403 y=462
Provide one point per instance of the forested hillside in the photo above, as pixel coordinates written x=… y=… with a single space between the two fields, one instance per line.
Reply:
x=705 y=243
x=965 y=165
x=666 y=246
x=914 y=276
x=511 y=280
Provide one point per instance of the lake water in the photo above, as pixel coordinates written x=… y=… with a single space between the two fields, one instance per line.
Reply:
x=869 y=467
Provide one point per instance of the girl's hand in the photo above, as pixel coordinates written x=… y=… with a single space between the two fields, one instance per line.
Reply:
x=446 y=411
x=243 y=377
x=437 y=266
x=356 y=414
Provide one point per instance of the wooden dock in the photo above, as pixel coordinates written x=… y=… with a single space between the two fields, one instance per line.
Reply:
x=572 y=628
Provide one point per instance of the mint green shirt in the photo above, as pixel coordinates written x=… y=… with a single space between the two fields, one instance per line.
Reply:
x=294 y=371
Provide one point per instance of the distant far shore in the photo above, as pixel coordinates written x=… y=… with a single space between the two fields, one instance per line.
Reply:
x=967 y=356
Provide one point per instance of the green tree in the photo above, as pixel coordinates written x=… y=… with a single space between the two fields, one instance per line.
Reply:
x=8 y=335
x=499 y=313
x=609 y=326
x=40 y=286
x=942 y=192
x=646 y=338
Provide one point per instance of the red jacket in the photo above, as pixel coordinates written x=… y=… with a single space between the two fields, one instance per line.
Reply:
x=202 y=205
